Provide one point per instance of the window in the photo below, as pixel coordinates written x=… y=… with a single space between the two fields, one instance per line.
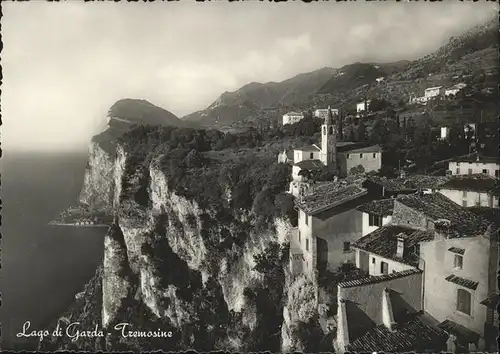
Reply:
x=324 y=130
x=349 y=155
x=347 y=246
x=464 y=203
x=458 y=262
x=485 y=171
x=497 y=173
x=360 y=156
x=307 y=244
x=330 y=132
x=464 y=194
x=463 y=301
x=374 y=220
x=299 y=236
x=384 y=268
x=374 y=155
x=458 y=163
x=373 y=260
x=311 y=155
x=458 y=171
x=470 y=171
x=306 y=217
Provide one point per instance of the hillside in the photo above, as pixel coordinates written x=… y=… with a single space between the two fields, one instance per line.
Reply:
x=250 y=100
x=471 y=55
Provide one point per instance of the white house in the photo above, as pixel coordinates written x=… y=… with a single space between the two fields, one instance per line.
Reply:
x=454 y=89
x=472 y=190
x=380 y=79
x=292 y=117
x=471 y=165
x=433 y=92
x=323 y=113
x=376 y=213
x=370 y=158
x=362 y=106
x=445 y=133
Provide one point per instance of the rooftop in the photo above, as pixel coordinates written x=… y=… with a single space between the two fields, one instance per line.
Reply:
x=459 y=331
x=467 y=283
x=382 y=207
x=324 y=196
x=433 y=88
x=491 y=301
x=383 y=242
x=460 y=222
x=474 y=158
x=293 y=114
x=373 y=148
x=310 y=164
x=377 y=278
x=414 y=334
x=477 y=183
x=312 y=148
x=409 y=183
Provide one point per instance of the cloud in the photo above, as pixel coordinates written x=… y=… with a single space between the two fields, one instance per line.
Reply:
x=66 y=63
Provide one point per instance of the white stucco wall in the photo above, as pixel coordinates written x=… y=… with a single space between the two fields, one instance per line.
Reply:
x=299 y=155
x=477 y=167
x=371 y=161
x=471 y=198
x=291 y=119
x=366 y=223
x=440 y=295
x=374 y=263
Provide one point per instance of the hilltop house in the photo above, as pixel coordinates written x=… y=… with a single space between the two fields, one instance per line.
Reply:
x=328 y=223
x=474 y=164
x=380 y=79
x=362 y=106
x=292 y=117
x=432 y=92
x=472 y=190
x=323 y=112
x=454 y=89
x=432 y=278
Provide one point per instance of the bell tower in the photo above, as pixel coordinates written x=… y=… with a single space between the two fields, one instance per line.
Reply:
x=328 y=141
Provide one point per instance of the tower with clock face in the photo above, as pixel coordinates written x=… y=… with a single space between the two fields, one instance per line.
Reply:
x=328 y=141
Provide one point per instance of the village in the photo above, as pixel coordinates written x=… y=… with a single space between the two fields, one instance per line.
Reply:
x=404 y=263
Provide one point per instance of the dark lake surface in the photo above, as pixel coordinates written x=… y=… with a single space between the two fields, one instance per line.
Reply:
x=43 y=266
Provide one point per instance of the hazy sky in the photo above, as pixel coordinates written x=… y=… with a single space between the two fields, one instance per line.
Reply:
x=65 y=64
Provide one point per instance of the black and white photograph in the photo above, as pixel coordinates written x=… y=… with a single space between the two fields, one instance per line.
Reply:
x=250 y=176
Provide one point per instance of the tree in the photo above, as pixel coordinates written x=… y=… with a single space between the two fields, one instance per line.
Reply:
x=357 y=170
x=194 y=159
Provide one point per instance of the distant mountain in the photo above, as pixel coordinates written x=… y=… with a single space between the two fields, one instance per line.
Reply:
x=257 y=103
x=252 y=98
x=136 y=111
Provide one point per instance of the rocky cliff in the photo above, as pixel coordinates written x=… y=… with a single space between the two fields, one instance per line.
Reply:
x=210 y=275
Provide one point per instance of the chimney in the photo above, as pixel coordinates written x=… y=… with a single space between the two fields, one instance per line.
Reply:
x=342 y=327
x=400 y=246
x=387 y=314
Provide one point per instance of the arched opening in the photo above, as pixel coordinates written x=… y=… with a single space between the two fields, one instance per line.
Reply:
x=324 y=130
x=331 y=131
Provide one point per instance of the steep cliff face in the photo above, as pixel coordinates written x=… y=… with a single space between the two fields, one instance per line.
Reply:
x=98 y=189
x=171 y=264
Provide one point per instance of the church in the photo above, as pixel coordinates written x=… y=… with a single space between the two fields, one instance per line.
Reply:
x=342 y=158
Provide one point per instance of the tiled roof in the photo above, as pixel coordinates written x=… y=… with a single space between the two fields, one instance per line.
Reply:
x=324 y=196
x=437 y=207
x=408 y=183
x=311 y=148
x=491 y=301
x=469 y=284
x=459 y=331
x=491 y=214
x=456 y=250
x=378 y=278
x=310 y=164
x=473 y=158
x=368 y=149
x=383 y=242
x=382 y=207
x=414 y=334
x=477 y=183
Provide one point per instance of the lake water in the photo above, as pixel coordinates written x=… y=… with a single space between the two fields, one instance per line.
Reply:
x=43 y=266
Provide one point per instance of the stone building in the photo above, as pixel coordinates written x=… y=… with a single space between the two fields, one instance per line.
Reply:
x=472 y=190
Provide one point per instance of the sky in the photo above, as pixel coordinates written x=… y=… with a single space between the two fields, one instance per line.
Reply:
x=66 y=63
